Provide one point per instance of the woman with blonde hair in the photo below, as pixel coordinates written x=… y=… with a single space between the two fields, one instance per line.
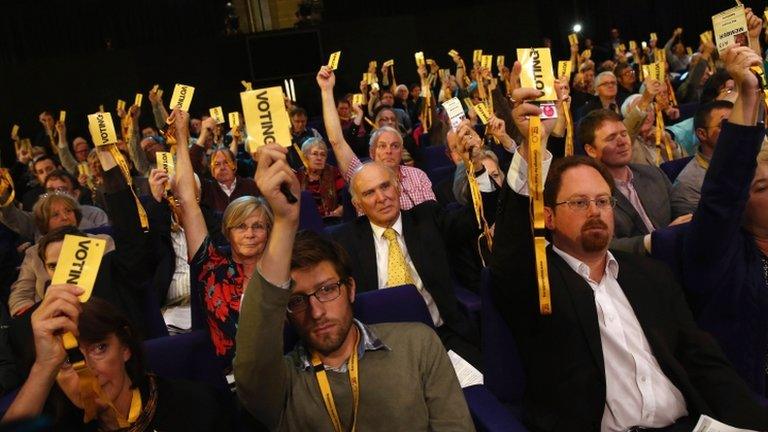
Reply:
x=53 y=210
x=218 y=278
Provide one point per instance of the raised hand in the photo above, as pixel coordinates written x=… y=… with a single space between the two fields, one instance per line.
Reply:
x=326 y=79
x=58 y=313
x=272 y=173
x=157 y=180
x=523 y=110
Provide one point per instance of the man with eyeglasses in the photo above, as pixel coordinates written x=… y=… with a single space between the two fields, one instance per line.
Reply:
x=627 y=81
x=343 y=374
x=620 y=350
x=606 y=91
x=642 y=191
x=385 y=146
x=686 y=190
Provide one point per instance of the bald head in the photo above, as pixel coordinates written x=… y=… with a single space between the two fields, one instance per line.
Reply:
x=376 y=192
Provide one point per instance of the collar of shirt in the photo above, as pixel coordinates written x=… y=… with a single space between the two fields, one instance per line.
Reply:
x=397 y=226
x=625 y=183
x=368 y=342
x=228 y=190
x=611 y=265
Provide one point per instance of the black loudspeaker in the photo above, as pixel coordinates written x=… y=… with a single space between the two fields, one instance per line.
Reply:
x=281 y=54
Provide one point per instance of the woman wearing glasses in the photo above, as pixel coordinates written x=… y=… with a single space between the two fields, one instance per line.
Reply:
x=322 y=180
x=218 y=278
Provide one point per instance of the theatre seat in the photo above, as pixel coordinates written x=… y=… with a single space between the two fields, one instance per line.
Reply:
x=188 y=356
x=106 y=229
x=433 y=157
x=309 y=217
x=504 y=374
x=673 y=168
x=441 y=173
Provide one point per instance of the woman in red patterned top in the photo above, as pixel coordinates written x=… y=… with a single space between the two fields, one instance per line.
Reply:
x=322 y=180
x=218 y=278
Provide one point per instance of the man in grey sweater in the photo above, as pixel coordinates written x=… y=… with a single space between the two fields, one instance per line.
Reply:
x=343 y=374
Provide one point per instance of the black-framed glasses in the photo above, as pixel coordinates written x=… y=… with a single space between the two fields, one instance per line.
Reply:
x=299 y=302
x=582 y=204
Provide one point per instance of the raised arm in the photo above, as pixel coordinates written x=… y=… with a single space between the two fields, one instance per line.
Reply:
x=344 y=154
x=261 y=373
x=138 y=156
x=65 y=155
x=755 y=26
x=725 y=191
x=159 y=112
x=637 y=115
x=185 y=189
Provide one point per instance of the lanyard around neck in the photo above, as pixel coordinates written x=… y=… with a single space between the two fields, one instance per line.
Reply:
x=325 y=387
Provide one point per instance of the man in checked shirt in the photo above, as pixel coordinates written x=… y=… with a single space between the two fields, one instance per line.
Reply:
x=386 y=146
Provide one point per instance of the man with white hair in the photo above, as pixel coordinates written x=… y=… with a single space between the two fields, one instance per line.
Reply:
x=606 y=89
x=391 y=247
x=385 y=146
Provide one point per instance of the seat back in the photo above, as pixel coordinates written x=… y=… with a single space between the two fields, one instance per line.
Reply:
x=503 y=374
x=188 y=356
x=673 y=168
x=106 y=229
x=433 y=157
x=309 y=216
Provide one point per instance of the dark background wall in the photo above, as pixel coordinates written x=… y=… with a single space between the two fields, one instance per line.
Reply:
x=77 y=54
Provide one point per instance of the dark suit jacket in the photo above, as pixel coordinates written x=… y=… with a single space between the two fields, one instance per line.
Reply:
x=722 y=270
x=654 y=190
x=562 y=353
x=161 y=254
x=430 y=233
x=9 y=375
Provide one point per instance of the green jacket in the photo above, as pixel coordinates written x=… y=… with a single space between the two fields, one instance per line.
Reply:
x=410 y=386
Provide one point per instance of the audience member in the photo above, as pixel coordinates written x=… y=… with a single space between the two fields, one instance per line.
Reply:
x=126 y=394
x=641 y=191
x=322 y=180
x=386 y=146
x=622 y=336
x=406 y=381
x=724 y=250
x=218 y=278
x=687 y=187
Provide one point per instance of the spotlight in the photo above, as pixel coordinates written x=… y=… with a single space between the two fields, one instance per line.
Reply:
x=576 y=28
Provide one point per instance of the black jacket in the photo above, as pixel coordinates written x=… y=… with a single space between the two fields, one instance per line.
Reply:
x=430 y=234
x=562 y=353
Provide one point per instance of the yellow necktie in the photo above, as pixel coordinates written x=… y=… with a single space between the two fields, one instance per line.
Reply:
x=397 y=269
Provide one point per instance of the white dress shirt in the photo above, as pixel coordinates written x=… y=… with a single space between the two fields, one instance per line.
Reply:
x=178 y=315
x=228 y=190
x=637 y=392
x=382 y=265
